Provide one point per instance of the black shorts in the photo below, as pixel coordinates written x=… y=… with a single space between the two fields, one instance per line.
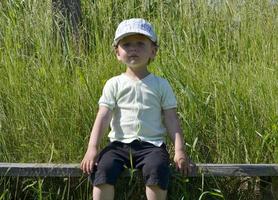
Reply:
x=152 y=160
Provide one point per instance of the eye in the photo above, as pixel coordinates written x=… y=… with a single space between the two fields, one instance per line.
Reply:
x=126 y=44
x=140 y=44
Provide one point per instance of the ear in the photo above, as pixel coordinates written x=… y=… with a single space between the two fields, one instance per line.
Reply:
x=117 y=53
x=153 y=52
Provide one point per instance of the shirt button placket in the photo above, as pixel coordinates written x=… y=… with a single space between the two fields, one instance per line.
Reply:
x=138 y=96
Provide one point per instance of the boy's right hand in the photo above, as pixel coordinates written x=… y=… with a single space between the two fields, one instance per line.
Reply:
x=89 y=160
x=102 y=121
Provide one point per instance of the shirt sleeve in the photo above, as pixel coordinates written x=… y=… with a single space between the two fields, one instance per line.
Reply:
x=108 y=97
x=168 y=97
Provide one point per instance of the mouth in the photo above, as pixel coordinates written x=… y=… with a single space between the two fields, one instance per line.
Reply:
x=133 y=56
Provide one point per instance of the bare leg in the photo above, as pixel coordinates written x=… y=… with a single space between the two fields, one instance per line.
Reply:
x=155 y=193
x=103 y=192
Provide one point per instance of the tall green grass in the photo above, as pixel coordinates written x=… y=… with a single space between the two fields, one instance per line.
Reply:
x=221 y=58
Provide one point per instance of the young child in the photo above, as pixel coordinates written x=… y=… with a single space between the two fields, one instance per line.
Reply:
x=139 y=107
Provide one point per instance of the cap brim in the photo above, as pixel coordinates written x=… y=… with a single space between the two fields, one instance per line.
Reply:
x=116 y=40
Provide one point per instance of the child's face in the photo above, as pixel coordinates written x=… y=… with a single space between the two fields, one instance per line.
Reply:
x=135 y=51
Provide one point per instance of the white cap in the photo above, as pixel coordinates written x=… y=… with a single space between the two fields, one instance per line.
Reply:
x=134 y=26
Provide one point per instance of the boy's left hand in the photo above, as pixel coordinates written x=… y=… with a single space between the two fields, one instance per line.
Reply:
x=182 y=162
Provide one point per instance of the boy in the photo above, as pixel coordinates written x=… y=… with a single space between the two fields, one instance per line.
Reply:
x=135 y=103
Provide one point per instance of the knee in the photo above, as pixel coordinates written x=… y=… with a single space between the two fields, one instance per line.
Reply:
x=103 y=187
x=154 y=188
x=154 y=193
x=103 y=192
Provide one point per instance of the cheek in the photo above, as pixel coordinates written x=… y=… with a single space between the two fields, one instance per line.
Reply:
x=118 y=54
x=148 y=53
x=121 y=54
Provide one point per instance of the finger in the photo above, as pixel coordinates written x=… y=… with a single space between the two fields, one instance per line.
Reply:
x=87 y=167
x=90 y=167
x=180 y=166
x=184 y=167
x=83 y=166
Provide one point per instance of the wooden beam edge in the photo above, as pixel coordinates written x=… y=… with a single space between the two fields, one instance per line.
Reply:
x=73 y=170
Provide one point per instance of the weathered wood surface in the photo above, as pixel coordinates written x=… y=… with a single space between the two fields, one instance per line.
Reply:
x=72 y=170
x=239 y=169
x=40 y=170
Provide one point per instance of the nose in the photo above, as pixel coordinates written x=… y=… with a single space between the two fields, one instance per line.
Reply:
x=133 y=47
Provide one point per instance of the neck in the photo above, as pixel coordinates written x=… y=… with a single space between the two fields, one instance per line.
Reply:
x=137 y=74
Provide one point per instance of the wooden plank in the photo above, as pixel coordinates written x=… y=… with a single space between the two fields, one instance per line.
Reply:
x=239 y=169
x=40 y=170
x=72 y=170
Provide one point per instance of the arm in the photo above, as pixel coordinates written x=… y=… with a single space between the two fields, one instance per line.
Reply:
x=174 y=130
x=102 y=121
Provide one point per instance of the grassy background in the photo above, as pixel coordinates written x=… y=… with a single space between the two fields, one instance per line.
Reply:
x=221 y=58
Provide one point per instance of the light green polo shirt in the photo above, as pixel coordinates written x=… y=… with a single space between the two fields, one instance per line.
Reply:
x=137 y=107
